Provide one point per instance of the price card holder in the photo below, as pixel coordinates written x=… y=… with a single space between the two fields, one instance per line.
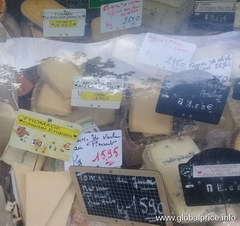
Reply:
x=212 y=177
x=193 y=94
x=215 y=15
x=128 y=197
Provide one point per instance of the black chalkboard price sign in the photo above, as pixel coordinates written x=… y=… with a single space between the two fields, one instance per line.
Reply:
x=128 y=197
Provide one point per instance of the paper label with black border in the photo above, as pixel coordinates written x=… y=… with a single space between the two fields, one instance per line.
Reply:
x=128 y=197
x=193 y=94
x=236 y=90
x=211 y=177
x=215 y=15
x=44 y=135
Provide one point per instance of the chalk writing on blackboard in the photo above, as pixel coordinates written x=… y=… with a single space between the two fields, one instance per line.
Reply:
x=133 y=198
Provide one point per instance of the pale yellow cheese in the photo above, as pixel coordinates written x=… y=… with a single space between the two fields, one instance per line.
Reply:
x=30 y=159
x=44 y=192
x=46 y=101
x=142 y=115
x=7 y=119
x=101 y=117
x=33 y=9
x=61 y=213
x=20 y=172
x=59 y=76
x=165 y=156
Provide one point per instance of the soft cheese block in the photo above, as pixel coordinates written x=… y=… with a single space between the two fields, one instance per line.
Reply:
x=44 y=192
x=20 y=172
x=33 y=9
x=59 y=76
x=165 y=156
x=46 y=101
x=142 y=115
x=32 y=160
x=7 y=119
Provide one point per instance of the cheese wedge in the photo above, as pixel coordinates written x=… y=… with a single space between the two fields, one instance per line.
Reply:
x=46 y=101
x=29 y=159
x=142 y=115
x=20 y=172
x=44 y=191
x=33 y=9
x=62 y=211
x=59 y=76
x=7 y=119
x=165 y=156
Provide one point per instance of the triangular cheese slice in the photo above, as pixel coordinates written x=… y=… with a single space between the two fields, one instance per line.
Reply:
x=44 y=191
x=20 y=172
x=61 y=213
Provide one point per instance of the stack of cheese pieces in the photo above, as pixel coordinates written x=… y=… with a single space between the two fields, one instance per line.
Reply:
x=45 y=197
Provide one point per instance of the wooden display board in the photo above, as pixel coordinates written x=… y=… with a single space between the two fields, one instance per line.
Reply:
x=128 y=197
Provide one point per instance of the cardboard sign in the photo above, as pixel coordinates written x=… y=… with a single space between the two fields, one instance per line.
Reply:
x=216 y=15
x=44 y=135
x=64 y=22
x=121 y=15
x=212 y=177
x=102 y=149
x=97 y=92
x=221 y=67
x=127 y=197
x=93 y=4
x=166 y=53
x=193 y=94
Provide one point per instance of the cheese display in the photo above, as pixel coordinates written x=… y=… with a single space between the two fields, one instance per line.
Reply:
x=142 y=115
x=58 y=75
x=46 y=101
x=7 y=117
x=33 y=10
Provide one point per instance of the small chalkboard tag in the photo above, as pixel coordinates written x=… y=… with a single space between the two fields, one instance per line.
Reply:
x=193 y=94
x=215 y=15
x=236 y=90
x=212 y=177
x=129 y=197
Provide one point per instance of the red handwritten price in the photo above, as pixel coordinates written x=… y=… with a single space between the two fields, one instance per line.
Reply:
x=107 y=156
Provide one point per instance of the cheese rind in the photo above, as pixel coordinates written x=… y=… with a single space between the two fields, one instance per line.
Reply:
x=46 y=101
x=142 y=115
x=59 y=76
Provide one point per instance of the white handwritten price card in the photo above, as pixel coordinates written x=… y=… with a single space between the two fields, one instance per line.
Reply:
x=97 y=92
x=221 y=67
x=102 y=149
x=166 y=53
x=121 y=15
x=44 y=135
x=126 y=197
x=64 y=22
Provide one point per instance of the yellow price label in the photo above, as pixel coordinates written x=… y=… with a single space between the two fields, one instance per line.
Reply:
x=98 y=96
x=63 y=23
x=47 y=127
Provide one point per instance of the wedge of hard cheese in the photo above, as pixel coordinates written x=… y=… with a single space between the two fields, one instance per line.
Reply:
x=165 y=156
x=46 y=101
x=59 y=76
x=33 y=9
x=44 y=193
x=142 y=115
x=20 y=172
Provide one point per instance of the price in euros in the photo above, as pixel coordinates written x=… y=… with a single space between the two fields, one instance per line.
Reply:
x=131 y=20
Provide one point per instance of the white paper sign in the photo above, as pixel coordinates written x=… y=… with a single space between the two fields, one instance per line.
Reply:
x=64 y=22
x=223 y=170
x=121 y=15
x=97 y=92
x=166 y=53
x=221 y=67
x=103 y=149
